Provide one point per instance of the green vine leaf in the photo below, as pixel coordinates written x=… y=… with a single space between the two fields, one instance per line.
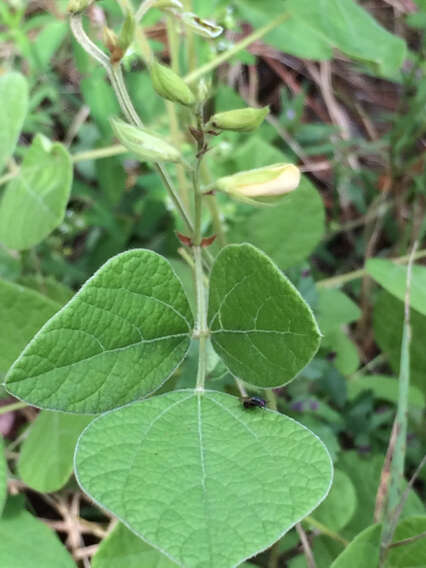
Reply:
x=22 y=313
x=3 y=476
x=200 y=478
x=46 y=457
x=118 y=339
x=364 y=550
x=13 y=109
x=260 y=325
x=35 y=200
x=26 y=542
x=337 y=510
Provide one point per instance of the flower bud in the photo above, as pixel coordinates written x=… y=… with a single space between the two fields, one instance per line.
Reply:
x=76 y=6
x=113 y=45
x=239 y=120
x=170 y=86
x=127 y=32
x=200 y=26
x=262 y=186
x=145 y=144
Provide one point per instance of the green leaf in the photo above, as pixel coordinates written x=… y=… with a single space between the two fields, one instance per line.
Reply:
x=22 y=313
x=46 y=457
x=393 y=278
x=26 y=542
x=273 y=229
x=347 y=357
x=199 y=477
x=48 y=287
x=48 y=41
x=123 y=548
x=350 y=28
x=13 y=109
x=364 y=550
x=365 y=474
x=34 y=202
x=384 y=388
x=334 y=309
x=260 y=325
x=3 y=476
x=388 y=319
x=337 y=509
x=412 y=555
x=119 y=338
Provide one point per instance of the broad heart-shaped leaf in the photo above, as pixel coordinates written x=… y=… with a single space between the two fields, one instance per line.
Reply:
x=13 y=108
x=393 y=277
x=26 y=542
x=34 y=202
x=3 y=479
x=200 y=478
x=260 y=325
x=22 y=313
x=118 y=339
x=46 y=457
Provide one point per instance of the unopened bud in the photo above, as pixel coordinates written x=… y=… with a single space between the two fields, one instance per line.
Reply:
x=113 y=45
x=127 y=32
x=76 y=6
x=143 y=143
x=203 y=90
x=239 y=120
x=200 y=26
x=169 y=85
x=168 y=5
x=262 y=186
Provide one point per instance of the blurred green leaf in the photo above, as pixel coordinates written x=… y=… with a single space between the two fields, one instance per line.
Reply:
x=46 y=456
x=337 y=509
x=384 y=388
x=3 y=476
x=34 y=202
x=13 y=109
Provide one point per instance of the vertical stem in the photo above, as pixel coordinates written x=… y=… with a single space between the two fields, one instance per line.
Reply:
x=398 y=458
x=190 y=43
x=201 y=329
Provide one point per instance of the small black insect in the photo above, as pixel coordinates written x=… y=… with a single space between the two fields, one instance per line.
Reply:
x=253 y=402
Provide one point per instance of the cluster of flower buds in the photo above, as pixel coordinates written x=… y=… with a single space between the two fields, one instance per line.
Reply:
x=262 y=186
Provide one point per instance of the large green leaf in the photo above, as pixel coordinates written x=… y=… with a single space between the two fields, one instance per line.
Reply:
x=201 y=478
x=123 y=548
x=364 y=550
x=393 y=278
x=22 y=313
x=260 y=325
x=388 y=320
x=3 y=475
x=337 y=509
x=46 y=457
x=350 y=28
x=13 y=108
x=412 y=555
x=34 y=202
x=26 y=542
x=119 y=338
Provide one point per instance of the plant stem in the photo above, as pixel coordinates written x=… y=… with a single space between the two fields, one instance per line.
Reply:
x=325 y=530
x=13 y=406
x=225 y=56
x=100 y=153
x=342 y=279
x=201 y=329
x=8 y=177
x=398 y=456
